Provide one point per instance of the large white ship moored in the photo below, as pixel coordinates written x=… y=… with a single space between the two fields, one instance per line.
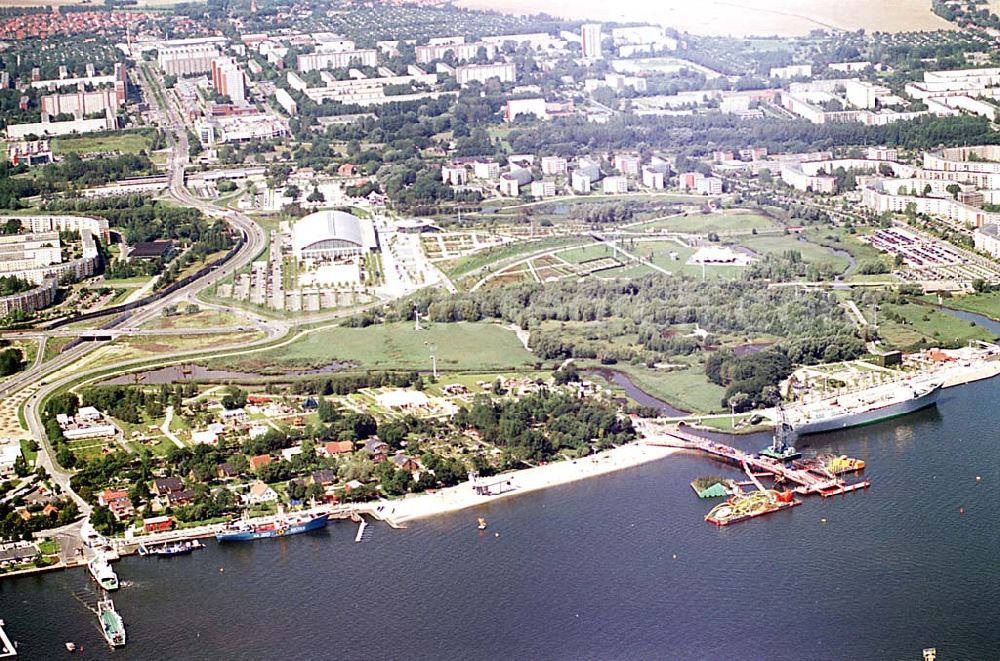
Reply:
x=863 y=407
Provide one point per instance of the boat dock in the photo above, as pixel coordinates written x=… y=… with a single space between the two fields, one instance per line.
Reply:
x=7 y=648
x=361 y=531
x=806 y=481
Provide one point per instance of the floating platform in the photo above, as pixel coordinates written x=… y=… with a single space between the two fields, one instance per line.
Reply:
x=777 y=507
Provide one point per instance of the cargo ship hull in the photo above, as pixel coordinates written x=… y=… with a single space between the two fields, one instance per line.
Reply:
x=278 y=529
x=887 y=411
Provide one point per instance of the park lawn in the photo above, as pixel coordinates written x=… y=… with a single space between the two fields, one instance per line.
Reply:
x=925 y=324
x=733 y=221
x=28 y=453
x=511 y=252
x=123 y=143
x=29 y=350
x=460 y=346
x=987 y=305
x=811 y=252
x=632 y=270
x=135 y=281
x=660 y=253
x=686 y=389
x=586 y=253
x=48 y=546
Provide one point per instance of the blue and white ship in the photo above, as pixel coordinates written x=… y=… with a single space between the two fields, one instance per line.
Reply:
x=281 y=525
x=864 y=407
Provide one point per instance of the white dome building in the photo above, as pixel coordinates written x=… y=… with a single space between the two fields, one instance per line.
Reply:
x=330 y=234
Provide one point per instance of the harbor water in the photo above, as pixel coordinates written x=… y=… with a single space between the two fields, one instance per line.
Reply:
x=621 y=566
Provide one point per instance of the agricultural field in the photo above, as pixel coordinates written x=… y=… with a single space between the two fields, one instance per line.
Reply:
x=460 y=346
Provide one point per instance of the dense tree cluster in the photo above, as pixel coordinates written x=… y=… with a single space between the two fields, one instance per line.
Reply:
x=699 y=134
x=540 y=424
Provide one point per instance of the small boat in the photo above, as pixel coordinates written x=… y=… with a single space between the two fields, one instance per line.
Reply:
x=482 y=523
x=112 y=625
x=170 y=550
x=71 y=647
x=103 y=573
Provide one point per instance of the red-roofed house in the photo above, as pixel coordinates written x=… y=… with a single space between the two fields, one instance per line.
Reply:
x=334 y=448
x=259 y=460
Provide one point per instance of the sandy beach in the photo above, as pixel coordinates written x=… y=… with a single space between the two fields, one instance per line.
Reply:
x=516 y=483
x=739 y=18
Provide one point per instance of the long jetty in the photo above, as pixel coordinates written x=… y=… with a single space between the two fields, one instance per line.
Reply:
x=7 y=648
x=806 y=481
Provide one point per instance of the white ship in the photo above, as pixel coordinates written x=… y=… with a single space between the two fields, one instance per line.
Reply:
x=864 y=407
x=103 y=573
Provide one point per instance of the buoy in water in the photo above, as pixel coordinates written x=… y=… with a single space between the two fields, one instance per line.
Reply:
x=979 y=478
x=822 y=520
x=961 y=510
x=222 y=569
x=675 y=556
x=496 y=534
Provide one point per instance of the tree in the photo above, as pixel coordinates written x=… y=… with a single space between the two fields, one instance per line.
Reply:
x=294 y=192
x=316 y=196
x=12 y=226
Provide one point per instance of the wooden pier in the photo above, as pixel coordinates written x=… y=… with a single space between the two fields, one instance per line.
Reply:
x=7 y=648
x=806 y=481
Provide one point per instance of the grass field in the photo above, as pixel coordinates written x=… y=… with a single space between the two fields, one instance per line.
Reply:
x=987 y=305
x=460 y=346
x=811 y=252
x=921 y=323
x=466 y=265
x=687 y=389
x=123 y=143
x=713 y=222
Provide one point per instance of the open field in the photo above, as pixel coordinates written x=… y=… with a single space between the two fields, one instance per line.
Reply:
x=987 y=305
x=686 y=389
x=712 y=222
x=460 y=346
x=124 y=143
x=466 y=265
x=921 y=323
x=747 y=17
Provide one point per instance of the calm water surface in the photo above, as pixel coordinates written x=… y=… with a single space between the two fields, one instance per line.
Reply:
x=587 y=571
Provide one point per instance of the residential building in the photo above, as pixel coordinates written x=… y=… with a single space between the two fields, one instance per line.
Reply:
x=486 y=169
x=157 y=524
x=505 y=72
x=456 y=175
x=987 y=239
x=228 y=79
x=29 y=152
x=187 y=59
x=553 y=166
x=653 y=178
x=285 y=100
x=365 y=57
x=627 y=164
x=794 y=71
x=590 y=35
x=580 y=182
x=614 y=185
x=438 y=49
x=543 y=189
x=709 y=186
x=794 y=176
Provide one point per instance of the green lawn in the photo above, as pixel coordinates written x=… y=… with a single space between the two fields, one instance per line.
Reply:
x=714 y=222
x=460 y=346
x=508 y=253
x=28 y=453
x=585 y=253
x=987 y=305
x=920 y=323
x=811 y=252
x=124 y=143
x=687 y=389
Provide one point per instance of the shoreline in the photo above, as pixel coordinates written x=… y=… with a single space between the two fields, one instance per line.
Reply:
x=528 y=480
